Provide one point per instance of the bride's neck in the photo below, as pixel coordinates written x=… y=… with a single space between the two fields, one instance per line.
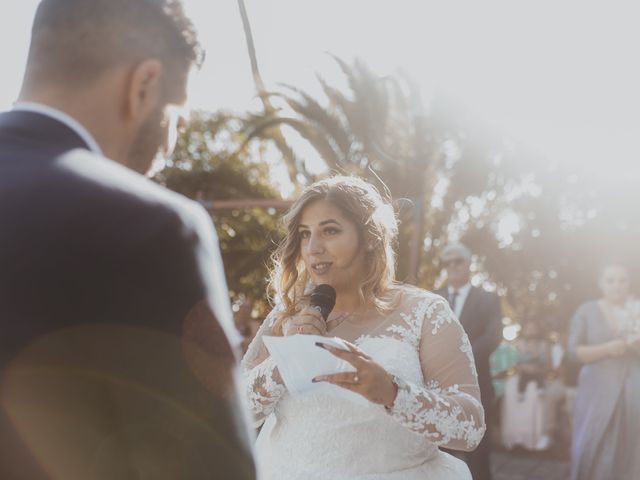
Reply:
x=348 y=303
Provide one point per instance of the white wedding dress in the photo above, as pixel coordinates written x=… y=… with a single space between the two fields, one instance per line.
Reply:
x=324 y=436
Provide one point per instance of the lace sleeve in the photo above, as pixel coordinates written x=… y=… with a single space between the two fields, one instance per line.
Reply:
x=263 y=383
x=446 y=408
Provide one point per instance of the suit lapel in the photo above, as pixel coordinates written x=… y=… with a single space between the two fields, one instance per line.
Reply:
x=468 y=306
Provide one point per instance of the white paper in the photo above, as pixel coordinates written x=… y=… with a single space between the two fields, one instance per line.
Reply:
x=299 y=360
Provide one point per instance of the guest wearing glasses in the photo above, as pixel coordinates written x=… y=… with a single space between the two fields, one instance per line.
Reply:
x=480 y=314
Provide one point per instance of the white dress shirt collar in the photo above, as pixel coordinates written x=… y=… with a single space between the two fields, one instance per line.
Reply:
x=63 y=118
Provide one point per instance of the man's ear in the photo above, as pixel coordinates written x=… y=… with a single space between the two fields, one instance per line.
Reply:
x=144 y=89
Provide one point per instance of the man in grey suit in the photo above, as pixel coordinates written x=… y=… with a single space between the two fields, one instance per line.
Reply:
x=480 y=314
x=116 y=338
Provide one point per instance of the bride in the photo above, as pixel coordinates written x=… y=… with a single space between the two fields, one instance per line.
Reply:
x=412 y=360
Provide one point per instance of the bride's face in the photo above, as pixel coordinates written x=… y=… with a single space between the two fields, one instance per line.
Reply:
x=614 y=284
x=330 y=246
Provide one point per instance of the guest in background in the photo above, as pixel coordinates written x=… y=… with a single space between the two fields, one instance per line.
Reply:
x=502 y=364
x=532 y=393
x=480 y=314
x=605 y=340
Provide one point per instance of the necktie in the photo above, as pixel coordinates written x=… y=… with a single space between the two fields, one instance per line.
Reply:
x=452 y=300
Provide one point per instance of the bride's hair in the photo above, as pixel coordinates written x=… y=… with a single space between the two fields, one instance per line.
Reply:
x=375 y=220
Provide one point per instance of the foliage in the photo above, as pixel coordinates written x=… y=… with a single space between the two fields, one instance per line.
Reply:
x=539 y=228
x=529 y=220
x=207 y=166
x=436 y=160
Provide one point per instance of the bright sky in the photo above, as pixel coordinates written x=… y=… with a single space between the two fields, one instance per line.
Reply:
x=563 y=76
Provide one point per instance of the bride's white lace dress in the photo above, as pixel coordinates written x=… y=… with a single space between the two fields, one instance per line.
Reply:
x=323 y=436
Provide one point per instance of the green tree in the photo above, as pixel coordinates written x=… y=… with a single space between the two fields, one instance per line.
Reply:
x=378 y=128
x=539 y=228
x=208 y=166
x=466 y=182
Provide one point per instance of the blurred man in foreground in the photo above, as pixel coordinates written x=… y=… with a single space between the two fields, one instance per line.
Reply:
x=116 y=357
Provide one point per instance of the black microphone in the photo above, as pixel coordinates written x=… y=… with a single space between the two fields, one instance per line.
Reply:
x=323 y=299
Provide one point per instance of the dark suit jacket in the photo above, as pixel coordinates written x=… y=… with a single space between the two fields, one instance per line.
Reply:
x=112 y=362
x=481 y=318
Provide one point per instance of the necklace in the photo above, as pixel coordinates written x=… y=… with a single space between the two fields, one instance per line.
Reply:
x=338 y=319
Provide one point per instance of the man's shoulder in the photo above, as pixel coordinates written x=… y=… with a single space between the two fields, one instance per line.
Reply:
x=105 y=185
x=97 y=199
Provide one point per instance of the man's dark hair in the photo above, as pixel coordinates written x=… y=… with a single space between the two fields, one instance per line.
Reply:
x=75 y=41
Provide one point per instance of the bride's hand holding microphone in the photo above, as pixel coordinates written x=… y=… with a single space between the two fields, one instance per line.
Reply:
x=312 y=320
x=308 y=321
x=370 y=379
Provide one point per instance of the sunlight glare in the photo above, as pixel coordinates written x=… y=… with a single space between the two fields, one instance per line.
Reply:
x=510 y=332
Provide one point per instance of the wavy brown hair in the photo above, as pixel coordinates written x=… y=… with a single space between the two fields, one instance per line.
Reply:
x=375 y=220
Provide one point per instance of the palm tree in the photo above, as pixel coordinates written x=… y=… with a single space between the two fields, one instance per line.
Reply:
x=377 y=130
x=274 y=133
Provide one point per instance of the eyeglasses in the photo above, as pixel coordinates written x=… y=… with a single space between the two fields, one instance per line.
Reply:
x=453 y=262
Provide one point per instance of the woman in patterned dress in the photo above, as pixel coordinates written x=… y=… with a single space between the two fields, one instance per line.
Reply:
x=412 y=360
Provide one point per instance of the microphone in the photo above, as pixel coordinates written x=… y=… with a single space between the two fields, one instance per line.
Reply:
x=323 y=299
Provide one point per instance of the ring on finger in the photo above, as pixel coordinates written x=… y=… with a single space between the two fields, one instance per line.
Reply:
x=356 y=379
